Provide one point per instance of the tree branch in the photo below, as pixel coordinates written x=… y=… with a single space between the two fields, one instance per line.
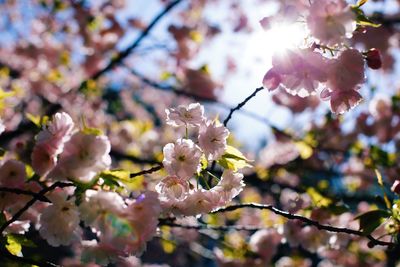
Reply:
x=181 y=92
x=24 y=192
x=241 y=104
x=32 y=201
x=148 y=171
x=306 y=220
x=123 y=54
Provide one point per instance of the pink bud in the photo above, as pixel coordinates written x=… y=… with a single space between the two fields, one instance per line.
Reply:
x=374 y=60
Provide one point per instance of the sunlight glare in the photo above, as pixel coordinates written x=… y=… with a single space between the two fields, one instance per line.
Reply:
x=283 y=37
x=277 y=40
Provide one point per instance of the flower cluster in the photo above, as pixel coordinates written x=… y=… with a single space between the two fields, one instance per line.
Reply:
x=186 y=162
x=338 y=74
x=78 y=158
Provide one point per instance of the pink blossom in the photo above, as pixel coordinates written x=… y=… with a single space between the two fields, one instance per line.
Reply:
x=380 y=107
x=59 y=222
x=265 y=242
x=83 y=157
x=96 y=204
x=347 y=71
x=200 y=201
x=212 y=139
x=142 y=214
x=230 y=185
x=182 y=158
x=300 y=72
x=342 y=101
x=50 y=143
x=12 y=174
x=192 y=115
x=344 y=76
x=278 y=153
x=172 y=187
x=330 y=21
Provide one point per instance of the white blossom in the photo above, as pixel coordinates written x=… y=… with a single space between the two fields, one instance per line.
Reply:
x=182 y=158
x=191 y=115
x=212 y=139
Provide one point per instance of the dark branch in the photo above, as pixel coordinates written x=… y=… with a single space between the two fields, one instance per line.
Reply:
x=32 y=201
x=120 y=156
x=148 y=171
x=181 y=92
x=306 y=220
x=123 y=54
x=241 y=104
x=24 y=192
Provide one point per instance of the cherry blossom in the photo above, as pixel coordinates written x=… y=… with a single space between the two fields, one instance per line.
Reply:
x=84 y=155
x=182 y=158
x=345 y=75
x=191 y=115
x=212 y=139
x=230 y=185
x=265 y=242
x=331 y=21
x=59 y=222
x=300 y=72
x=12 y=173
x=50 y=143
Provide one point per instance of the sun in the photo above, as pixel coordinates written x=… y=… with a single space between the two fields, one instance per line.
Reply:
x=280 y=38
x=284 y=36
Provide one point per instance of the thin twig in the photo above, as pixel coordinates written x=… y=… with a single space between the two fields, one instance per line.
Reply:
x=123 y=54
x=120 y=156
x=241 y=104
x=306 y=220
x=148 y=171
x=24 y=192
x=181 y=92
x=32 y=201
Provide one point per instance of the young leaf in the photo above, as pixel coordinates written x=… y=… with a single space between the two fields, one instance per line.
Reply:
x=14 y=246
x=362 y=19
x=361 y=2
x=233 y=159
x=371 y=220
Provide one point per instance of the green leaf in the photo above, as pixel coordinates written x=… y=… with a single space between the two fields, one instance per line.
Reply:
x=13 y=246
x=203 y=162
x=116 y=175
x=37 y=120
x=362 y=19
x=89 y=130
x=233 y=159
x=361 y=2
x=380 y=182
x=371 y=220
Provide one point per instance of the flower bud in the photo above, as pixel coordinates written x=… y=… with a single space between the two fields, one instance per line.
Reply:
x=374 y=60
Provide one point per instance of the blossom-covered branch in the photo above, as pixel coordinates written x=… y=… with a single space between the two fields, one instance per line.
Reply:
x=32 y=201
x=24 y=192
x=306 y=220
